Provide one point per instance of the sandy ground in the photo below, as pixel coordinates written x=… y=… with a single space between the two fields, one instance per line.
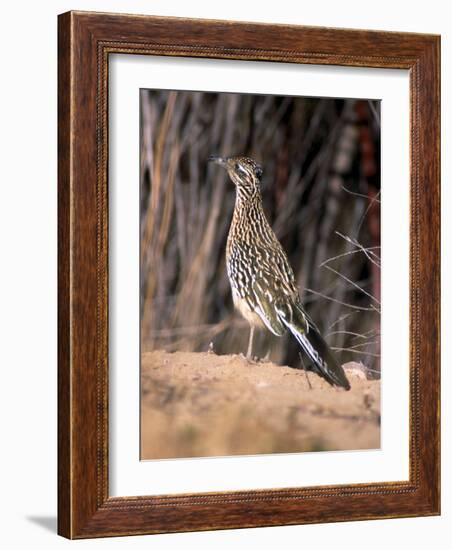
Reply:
x=202 y=404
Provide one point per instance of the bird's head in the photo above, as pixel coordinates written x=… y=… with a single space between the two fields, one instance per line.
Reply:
x=245 y=173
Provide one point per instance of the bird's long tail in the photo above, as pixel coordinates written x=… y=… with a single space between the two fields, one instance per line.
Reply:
x=315 y=347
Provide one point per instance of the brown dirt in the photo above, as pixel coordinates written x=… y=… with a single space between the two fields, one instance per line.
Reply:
x=202 y=404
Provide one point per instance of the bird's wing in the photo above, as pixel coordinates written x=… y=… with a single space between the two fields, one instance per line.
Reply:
x=272 y=278
x=258 y=274
x=262 y=302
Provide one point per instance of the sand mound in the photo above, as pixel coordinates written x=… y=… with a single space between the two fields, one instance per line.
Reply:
x=203 y=404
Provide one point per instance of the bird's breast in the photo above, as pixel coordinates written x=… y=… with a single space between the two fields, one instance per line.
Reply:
x=241 y=304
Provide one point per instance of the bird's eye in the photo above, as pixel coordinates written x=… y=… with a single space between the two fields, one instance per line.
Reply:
x=258 y=172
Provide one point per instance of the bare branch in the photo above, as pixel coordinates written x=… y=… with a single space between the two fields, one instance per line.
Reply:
x=352 y=283
x=353 y=306
x=357 y=351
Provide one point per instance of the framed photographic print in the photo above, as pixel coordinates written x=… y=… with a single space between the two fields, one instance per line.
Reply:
x=248 y=275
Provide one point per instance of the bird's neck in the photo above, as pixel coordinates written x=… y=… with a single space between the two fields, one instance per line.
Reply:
x=247 y=199
x=248 y=219
x=247 y=202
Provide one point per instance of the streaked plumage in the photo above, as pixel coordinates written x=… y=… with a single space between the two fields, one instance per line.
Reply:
x=263 y=285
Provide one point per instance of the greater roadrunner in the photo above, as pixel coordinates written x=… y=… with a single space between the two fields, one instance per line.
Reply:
x=262 y=282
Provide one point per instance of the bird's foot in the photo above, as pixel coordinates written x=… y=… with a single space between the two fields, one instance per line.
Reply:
x=249 y=358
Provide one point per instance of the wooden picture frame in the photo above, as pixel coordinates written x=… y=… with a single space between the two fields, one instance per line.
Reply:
x=85 y=42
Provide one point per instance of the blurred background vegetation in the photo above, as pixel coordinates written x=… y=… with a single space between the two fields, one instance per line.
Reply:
x=321 y=193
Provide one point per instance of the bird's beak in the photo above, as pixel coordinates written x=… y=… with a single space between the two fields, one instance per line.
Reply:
x=217 y=160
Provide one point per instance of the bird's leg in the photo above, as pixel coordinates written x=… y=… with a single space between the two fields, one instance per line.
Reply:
x=250 y=344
